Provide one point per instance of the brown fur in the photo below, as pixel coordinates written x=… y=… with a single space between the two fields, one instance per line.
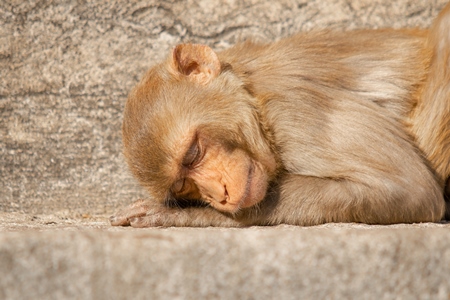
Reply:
x=334 y=127
x=431 y=117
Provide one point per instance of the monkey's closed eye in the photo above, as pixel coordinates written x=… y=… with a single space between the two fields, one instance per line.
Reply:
x=193 y=155
x=183 y=187
x=179 y=186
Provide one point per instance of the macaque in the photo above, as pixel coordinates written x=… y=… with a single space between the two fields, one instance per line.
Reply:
x=319 y=127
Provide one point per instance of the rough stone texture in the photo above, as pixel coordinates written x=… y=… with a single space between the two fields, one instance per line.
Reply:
x=283 y=262
x=65 y=70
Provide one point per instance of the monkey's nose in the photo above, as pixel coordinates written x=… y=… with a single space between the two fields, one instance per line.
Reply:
x=218 y=193
x=225 y=193
x=226 y=204
x=225 y=196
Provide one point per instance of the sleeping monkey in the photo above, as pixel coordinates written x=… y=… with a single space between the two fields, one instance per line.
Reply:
x=319 y=127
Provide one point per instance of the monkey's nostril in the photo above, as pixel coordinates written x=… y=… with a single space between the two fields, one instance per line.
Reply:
x=225 y=197
x=225 y=194
x=226 y=191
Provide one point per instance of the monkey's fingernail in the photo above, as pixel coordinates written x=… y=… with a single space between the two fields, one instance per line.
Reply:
x=136 y=222
x=133 y=220
x=118 y=221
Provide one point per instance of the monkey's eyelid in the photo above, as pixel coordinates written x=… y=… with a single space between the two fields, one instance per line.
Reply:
x=179 y=185
x=192 y=155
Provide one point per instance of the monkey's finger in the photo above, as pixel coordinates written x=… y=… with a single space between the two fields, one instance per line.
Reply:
x=119 y=221
x=137 y=209
x=154 y=220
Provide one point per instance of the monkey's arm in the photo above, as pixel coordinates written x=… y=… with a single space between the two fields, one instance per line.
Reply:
x=305 y=200
x=363 y=168
x=149 y=213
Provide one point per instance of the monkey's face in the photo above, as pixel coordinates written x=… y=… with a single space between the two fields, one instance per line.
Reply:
x=228 y=180
x=191 y=131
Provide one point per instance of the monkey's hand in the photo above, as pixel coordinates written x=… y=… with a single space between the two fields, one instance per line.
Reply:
x=132 y=213
x=149 y=213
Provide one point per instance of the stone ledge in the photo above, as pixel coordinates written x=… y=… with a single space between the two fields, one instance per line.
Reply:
x=88 y=259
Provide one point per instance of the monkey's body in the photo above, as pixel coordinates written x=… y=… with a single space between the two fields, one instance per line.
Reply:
x=328 y=98
x=333 y=127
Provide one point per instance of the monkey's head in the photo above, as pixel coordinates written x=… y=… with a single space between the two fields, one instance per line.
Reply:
x=192 y=131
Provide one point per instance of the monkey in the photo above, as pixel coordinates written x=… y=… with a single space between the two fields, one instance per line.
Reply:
x=315 y=128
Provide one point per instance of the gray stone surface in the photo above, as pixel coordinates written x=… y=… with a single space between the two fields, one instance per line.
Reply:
x=65 y=70
x=284 y=262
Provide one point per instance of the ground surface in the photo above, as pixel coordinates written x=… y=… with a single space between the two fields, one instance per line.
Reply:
x=51 y=257
x=66 y=68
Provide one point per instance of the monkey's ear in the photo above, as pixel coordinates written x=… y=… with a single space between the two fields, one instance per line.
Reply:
x=199 y=62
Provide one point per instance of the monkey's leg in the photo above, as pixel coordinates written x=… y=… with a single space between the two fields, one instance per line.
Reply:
x=431 y=118
x=311 y=200
x=149 y=213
